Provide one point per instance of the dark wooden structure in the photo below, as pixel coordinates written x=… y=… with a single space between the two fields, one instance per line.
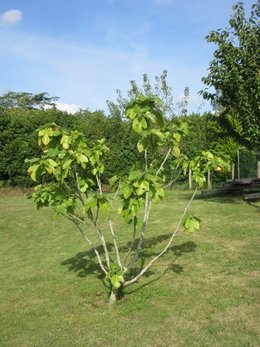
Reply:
x=237 y=185
x=252 y=197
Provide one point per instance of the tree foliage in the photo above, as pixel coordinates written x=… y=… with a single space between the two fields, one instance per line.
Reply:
x=234 y=73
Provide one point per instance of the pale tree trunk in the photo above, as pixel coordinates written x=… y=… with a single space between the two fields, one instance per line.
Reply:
x=258 y=170
x=113 y=297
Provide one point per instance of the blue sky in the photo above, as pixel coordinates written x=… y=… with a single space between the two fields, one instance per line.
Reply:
x=83 y=50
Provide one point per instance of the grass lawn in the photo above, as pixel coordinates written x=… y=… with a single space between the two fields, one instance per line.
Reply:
x=203 y=292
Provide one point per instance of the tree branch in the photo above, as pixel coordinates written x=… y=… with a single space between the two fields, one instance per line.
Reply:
x=163 y=162
x=72 y=219
x=147 y=209
x=133 y=240
x=127 y=283
x=115 y=244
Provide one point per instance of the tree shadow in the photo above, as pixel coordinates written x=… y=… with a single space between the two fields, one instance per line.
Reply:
x=85 y=263
x=226 y=198
x=178 y=251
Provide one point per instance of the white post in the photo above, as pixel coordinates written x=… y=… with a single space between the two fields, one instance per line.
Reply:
x=233 y=171
x=209 y=181
x=190 y=179
x=238 y=165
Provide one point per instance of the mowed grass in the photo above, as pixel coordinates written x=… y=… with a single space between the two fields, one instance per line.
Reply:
x=203 y=292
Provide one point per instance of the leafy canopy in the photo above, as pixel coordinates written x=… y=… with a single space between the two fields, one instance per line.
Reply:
x=234 y=73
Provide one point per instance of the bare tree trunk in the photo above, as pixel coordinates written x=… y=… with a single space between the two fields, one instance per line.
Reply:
x=258 y=170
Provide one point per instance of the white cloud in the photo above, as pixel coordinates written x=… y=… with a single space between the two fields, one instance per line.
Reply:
x=70 y=108
x=10 y=18
x=62 y=106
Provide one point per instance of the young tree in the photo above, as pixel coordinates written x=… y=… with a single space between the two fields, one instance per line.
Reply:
x=234 y=73
x=74 y=169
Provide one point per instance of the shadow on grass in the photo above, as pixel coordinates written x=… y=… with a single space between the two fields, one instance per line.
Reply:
x=222 y=199
x=226 y=198
x=85 y=263
x=178 y=251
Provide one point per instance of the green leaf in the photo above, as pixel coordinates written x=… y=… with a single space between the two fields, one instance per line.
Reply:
x=90 y=203
x=33 y=171
x=134 y=209
x=113 y=180
x=140 y=147
x=82 y=159
x=67 y=163
x=51 y=165
x=116 y=281
x=145 y=185
x=120 y=278
x=134 y=175
x=65 y=141
x=144 y=123
x=150 y=116
x=127 y=191
x=45 y=135
x=137 y=126
x=191 y=223
x=177 y=136
x=176 y=151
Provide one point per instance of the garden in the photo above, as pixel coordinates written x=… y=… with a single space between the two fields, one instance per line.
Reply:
x=106 y=239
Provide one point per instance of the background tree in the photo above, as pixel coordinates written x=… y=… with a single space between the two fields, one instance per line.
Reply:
x=159 y=88
x=27 y=100
x=234 y=73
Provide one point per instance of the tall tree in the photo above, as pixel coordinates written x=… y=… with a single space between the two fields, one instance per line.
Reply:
x=234 y=73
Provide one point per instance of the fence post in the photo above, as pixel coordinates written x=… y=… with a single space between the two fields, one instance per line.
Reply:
x=233 y=171
x=238 y=164
x=190 y=179
x=209 y=181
